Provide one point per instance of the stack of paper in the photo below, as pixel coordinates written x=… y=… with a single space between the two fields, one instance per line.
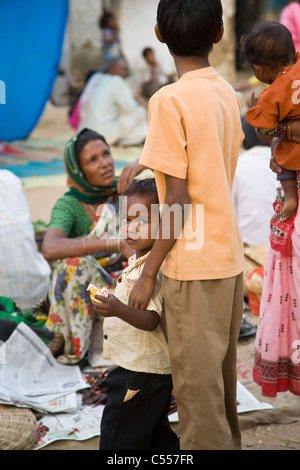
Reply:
x=31 y=377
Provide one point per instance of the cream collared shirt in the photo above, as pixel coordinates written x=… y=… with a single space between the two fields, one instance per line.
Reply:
x=129 y=347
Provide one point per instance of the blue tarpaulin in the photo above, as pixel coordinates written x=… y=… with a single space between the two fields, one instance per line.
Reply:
x=31 y=39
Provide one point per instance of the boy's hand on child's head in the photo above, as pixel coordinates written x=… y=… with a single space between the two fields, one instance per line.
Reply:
x=128 y=174
x=108 y=306
x=254 y=99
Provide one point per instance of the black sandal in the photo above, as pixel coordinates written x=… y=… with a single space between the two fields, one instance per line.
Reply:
x=247 y=329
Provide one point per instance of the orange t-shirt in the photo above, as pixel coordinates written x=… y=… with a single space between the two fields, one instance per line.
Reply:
x=278 y=102
x=194 y=134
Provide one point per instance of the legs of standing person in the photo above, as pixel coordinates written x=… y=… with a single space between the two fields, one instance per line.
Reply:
x=203 y=321
x=70 y=307
x=135 y=416
x=230 y=361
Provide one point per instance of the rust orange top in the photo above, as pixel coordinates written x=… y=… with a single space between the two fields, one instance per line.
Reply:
x=278 y=102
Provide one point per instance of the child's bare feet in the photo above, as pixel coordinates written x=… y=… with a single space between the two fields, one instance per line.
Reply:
x=289 y=207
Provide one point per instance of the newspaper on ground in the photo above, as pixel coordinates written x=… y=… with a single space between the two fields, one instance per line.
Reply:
x=31 y=377
x=81 y=425
x=30 y=374
x=85 y=422
x=246 y=401
x=64 y=404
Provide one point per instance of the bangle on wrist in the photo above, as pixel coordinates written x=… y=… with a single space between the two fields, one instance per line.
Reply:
x=289 y=132
x=281 y=130
x=84 y=246
x=285 y=131
x=112 y=245
x=108 y=246
x=117 y=245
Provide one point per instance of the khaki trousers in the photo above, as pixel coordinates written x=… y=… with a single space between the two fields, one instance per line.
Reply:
x=203 y=322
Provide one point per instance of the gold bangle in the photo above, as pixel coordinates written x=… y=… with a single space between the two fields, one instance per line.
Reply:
x=108 y=246
x=112 y=245
x=117 y=245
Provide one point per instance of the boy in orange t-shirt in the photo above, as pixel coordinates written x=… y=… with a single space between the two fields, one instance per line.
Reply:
x=193 y=145
x=270 y=51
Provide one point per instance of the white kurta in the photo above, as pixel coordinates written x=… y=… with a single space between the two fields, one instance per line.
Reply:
x=24 y=273
x=254 y=191
x=108 y=107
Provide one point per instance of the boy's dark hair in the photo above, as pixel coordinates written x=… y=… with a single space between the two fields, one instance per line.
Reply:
x=84 y=137
x=269 y=44
x=144 y=187
x=189 y=27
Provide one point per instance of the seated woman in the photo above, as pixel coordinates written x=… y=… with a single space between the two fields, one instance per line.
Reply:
x=83 y=227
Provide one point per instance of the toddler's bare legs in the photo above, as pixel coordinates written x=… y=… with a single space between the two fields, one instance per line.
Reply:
x=290 y=197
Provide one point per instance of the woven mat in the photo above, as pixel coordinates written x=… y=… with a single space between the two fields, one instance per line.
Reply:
x=39 y=162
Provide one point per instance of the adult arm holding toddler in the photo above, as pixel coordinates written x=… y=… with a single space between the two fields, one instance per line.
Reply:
x=277 y=65
x=288 y=130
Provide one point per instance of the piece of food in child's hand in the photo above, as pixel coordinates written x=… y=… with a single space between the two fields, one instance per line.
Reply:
x=95 y=291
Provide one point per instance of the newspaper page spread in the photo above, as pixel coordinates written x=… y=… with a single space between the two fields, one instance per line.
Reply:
x=31 y=372
x=81 y=425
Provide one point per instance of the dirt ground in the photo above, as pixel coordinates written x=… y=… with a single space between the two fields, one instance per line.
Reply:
x=281 y=432
x=272 y=437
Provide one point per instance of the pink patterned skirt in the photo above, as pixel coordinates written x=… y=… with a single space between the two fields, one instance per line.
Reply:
x=277 y=346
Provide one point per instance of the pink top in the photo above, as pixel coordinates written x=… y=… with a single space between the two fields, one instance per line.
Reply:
x=290 y=17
